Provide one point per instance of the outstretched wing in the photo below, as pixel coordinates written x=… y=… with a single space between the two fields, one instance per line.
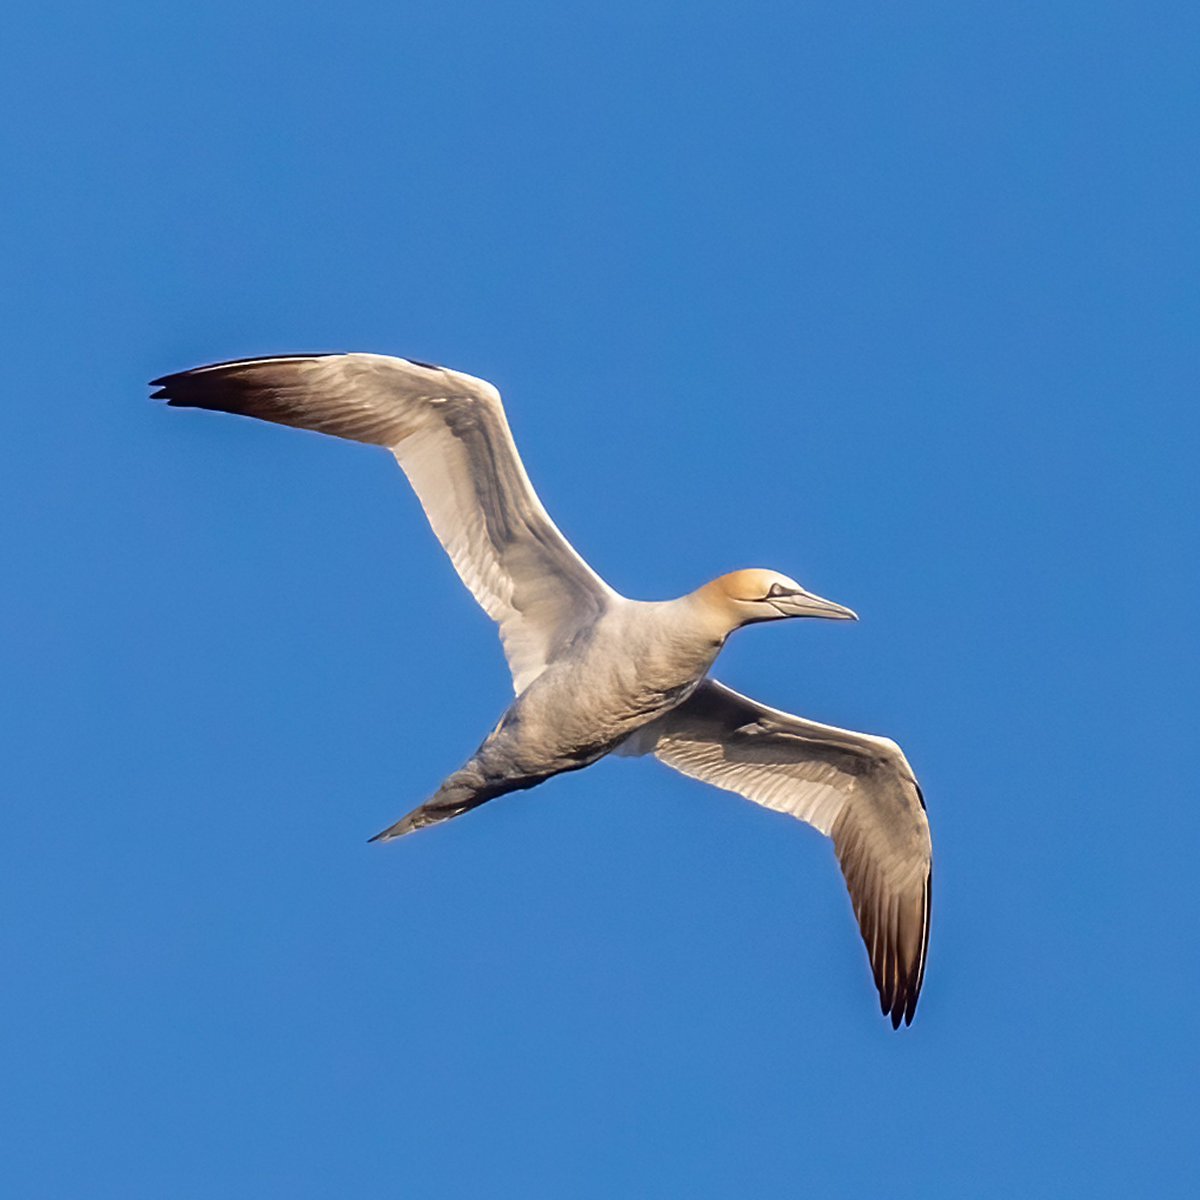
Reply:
x=450 y=436
x=855 y=788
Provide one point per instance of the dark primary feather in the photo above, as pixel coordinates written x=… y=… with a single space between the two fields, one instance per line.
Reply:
x=271 y=389
x=894 y=925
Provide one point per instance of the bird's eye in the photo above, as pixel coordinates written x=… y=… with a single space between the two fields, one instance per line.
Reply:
x=777 y=589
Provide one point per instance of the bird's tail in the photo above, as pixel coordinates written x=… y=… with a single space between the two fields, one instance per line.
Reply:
x=451 y=800
x=466 y=789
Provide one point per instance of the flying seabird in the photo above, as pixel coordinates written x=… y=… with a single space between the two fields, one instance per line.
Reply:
x=594 y=672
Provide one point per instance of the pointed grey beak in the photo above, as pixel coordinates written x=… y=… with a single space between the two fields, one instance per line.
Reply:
x=805 y=604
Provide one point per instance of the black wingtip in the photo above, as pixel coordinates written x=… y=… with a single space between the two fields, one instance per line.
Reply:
x=911 y=1007
x=166 y=382
x=167 y=386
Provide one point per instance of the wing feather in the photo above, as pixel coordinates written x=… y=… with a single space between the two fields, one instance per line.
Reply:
x=450 y=435
x=857 y=789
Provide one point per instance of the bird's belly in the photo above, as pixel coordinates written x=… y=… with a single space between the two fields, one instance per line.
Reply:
x=576 y=716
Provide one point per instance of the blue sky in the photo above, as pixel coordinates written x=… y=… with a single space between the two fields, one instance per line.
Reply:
x=899 y=300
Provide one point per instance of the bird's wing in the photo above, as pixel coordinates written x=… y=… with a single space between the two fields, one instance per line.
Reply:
x=449 y=434
x=855 y=788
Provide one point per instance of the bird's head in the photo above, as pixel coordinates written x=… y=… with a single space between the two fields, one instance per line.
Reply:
x=746 y=597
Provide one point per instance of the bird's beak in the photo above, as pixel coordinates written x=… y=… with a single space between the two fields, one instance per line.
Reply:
x=805 y=604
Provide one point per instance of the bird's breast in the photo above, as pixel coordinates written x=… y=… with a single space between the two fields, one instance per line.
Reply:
x=625 y=676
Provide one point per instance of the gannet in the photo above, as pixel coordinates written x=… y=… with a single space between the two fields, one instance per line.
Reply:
x=594 y=672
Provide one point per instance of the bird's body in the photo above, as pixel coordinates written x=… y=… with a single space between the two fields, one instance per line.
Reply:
x=626 y=670
x=637 y=662
x=596 y=672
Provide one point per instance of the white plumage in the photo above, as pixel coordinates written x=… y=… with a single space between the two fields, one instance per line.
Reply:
x=595 y=672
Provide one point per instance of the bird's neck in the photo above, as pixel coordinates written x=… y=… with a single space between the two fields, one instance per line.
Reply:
x=712 y=610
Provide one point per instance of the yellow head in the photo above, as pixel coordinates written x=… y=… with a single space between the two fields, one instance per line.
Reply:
x=759 y=595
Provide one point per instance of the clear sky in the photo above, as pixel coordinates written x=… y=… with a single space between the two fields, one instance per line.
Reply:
x=897 y=299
